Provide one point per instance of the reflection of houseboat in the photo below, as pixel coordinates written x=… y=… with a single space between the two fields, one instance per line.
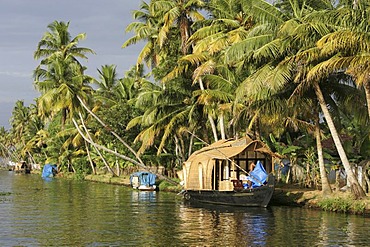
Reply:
x=220 y=174
x=144 y=181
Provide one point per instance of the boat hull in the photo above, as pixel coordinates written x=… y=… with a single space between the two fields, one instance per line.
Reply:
x=257 y=197
x=145 y=188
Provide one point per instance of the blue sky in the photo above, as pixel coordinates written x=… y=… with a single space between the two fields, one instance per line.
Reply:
x=23 y=23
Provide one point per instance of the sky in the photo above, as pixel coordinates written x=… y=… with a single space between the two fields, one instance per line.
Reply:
x=23 y=23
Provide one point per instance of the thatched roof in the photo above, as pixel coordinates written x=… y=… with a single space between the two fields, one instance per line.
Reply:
x=224 y=149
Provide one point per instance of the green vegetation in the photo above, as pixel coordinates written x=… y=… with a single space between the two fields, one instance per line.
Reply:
x=293 y=74
x=343 y=205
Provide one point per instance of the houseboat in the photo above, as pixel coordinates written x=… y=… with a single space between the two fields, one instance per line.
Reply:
x=230 y=172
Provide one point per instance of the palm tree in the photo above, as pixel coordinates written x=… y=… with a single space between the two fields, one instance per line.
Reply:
x=60 y=85
x=57 y=43
x=347 y=49
x=60 y=76
x=146 y=29
x=273 y=75
x=305 y=61
x=108 y=79
x=178 y=14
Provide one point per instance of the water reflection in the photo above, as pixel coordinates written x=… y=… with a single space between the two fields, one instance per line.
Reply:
x=73 y=213
x=232 y=225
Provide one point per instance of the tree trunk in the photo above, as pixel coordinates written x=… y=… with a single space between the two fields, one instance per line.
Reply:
x=326 y=189
x=210 y=119
x=97 y=150
x=90 y=160
x=191 y=141
x=357 y=190
x=222 y=127
x=367 y=93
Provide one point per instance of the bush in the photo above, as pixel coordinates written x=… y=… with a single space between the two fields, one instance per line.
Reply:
x=344 y=205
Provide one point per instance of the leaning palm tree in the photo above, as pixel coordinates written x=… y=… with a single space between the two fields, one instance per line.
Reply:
x=273 y=75
x=347 y=49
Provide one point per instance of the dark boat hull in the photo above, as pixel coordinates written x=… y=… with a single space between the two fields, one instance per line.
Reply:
x=257 y=197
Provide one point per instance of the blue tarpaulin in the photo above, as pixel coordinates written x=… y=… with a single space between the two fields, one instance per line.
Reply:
x=258 y=176
x=49 y=171
x=145 y=178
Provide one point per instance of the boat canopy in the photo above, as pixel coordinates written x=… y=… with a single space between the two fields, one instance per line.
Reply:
x=49 y=171
x=145 y=178
x=258 y=176
x=222 y=161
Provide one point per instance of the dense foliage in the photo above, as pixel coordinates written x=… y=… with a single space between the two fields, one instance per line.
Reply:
x=294 y=74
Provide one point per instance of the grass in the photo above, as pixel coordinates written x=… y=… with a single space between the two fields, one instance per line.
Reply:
x=342 y=205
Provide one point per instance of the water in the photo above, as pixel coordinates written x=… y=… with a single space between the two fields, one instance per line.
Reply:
x=34 y=212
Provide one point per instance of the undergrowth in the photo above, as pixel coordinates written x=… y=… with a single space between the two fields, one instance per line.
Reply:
x=343 y=205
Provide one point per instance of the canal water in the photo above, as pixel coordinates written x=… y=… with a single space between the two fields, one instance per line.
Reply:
x=35 y=212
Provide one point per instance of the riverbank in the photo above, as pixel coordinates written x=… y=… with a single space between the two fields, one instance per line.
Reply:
x=283 y=196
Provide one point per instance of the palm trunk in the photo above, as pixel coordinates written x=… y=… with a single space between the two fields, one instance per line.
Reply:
x=90 y=160
x=326 y=189
x=367 y=93
x=210 y=119
x=97 y=150
x=222 y=126
x=355 y=186
x=135 y=162
x=191 y=141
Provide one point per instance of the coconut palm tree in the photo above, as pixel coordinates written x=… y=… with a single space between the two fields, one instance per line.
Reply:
x=178 y=14
x=60 y=76
x=273 y=75
x=60 y=84
x=146 y=30
x=108 y=79
x=347 y=49
x=58 y=43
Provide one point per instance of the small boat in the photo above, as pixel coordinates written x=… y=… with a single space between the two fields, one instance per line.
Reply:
x=144 y=181
x=49 y=171
x=230 y=172
x=22 y=168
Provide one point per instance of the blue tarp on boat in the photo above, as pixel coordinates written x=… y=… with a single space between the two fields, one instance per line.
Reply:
x=145 y=178
x=49 y=171
x=258 y=176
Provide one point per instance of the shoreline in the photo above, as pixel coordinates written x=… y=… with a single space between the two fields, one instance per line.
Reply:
x=283 y=196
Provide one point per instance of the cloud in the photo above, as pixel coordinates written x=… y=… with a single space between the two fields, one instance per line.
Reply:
x=16 y=74
x=23 y=23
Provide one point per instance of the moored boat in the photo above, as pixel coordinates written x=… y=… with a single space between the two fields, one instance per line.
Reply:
x=49 y=171
x=144 y=181
x=230 y=172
